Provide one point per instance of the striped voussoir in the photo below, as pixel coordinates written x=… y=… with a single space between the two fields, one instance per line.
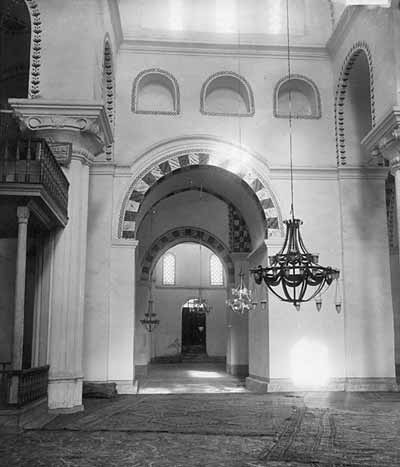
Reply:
x=186 y=161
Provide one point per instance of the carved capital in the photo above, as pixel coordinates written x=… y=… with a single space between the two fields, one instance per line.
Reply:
x=384 y=139
x=80 y=122
x=22 y=214
x=395 y=164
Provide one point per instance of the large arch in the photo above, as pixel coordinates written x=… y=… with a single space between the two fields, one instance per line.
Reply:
x=179 y=155
x=181 y=235
x=359 y=48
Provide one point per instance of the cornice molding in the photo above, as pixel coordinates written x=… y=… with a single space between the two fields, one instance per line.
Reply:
x=304 y=173
x=236 y=50
x=384 y=139
x=339 y=34
x=88 y=118
x=362 y=173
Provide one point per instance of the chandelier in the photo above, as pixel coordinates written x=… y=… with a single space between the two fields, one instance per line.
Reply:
x=199 y=304
x=294 y=274
x=150 y=321
x=241 y=300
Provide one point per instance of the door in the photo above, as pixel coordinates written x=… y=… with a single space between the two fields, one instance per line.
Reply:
x=193 y=331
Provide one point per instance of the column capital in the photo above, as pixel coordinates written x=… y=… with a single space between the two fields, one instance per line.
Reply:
x=82 y=124
x=384 y=139
x=23 y=214
x=395 y=164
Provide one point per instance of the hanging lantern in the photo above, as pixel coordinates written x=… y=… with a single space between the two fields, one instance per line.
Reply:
x=150 y=321
x=241 y=300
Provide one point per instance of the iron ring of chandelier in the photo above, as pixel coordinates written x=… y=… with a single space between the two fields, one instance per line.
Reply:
x=295 y=269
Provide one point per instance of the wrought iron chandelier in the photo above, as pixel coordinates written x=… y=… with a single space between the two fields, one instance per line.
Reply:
x=294 y=274
x=150 y=320
x=241 y=300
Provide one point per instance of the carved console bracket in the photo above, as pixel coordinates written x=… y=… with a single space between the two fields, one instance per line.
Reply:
x=83 y=123
x=384 y=139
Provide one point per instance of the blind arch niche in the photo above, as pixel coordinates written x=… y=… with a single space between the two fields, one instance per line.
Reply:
x=304 y=96
x=155 y=92
x=227 y=93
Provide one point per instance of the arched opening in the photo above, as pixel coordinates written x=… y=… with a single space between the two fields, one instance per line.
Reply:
x=354 y=106
x=15 y=46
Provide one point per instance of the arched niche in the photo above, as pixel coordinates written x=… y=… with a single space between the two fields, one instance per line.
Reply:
x=354 y=105
x=108 y=90
x=297 y=96
x=155 y=92
x=227 y=93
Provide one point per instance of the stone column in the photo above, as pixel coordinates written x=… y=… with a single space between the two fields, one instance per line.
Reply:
x=19 y=300
x=68 y=294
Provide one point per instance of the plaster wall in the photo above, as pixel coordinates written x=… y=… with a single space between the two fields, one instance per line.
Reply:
x=8 y=251
x=72 y=47
x=262 y=133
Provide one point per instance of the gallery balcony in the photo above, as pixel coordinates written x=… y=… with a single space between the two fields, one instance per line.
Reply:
x=29 y=173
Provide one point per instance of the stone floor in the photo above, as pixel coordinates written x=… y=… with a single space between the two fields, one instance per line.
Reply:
x=201 y=429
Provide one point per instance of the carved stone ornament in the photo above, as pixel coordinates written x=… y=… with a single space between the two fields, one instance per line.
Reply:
x=70 y=121
x=61 y=151
x=384 y=138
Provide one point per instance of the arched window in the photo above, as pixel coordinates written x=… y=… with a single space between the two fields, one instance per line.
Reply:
x=169 y=269
x=155 y=92
x=298 y=96
x=216 y=271
x=227 y=93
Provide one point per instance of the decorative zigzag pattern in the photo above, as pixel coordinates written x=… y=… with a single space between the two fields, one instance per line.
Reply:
x=185 y=160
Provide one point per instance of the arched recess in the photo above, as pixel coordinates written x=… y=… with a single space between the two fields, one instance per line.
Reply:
x=358 y=66
x=181 y=235
x=304 y=95
x=108 y=89
x=155 y=91
x=227 y=93
x=174 y=156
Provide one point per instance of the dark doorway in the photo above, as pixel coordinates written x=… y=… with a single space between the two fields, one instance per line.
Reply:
x=193 y=331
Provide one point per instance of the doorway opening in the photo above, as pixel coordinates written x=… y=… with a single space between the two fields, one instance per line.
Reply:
x=193 y=329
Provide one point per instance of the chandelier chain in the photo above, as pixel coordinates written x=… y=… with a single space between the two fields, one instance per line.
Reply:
x=290 y=110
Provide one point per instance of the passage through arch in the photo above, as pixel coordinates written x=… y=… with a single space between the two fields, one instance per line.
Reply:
x=181 y=160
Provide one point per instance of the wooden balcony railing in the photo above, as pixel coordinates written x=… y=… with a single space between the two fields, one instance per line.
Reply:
x=32 y=385
x=30 y=161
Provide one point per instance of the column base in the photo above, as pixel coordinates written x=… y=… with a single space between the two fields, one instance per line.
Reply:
x=126 y=387
x=141 y=370
x=65 y=395
x=257 y=384
x=371 y=384
x=237 y=370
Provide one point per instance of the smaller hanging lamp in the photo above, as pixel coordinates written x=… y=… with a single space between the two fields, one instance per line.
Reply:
x=241 y=300
x=200 y=304
x=150 y=320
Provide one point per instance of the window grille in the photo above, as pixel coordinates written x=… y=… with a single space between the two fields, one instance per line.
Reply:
x=216 y=271
x=169 y=269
